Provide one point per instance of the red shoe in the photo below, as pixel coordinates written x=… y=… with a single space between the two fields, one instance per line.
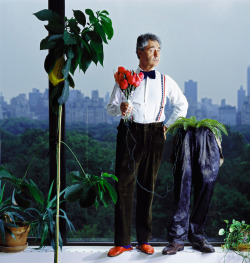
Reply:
x=146 y=248
x=115 y=251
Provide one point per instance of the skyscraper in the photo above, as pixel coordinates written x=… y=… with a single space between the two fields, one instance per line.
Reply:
x=241 y=98
x=248 y=81
x=191 y=95
x=191 y=92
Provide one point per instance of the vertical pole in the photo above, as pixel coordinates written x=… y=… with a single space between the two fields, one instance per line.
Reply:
x=59 y=7
x=58 y=184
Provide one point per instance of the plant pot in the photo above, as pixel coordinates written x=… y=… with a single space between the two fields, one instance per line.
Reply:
x=244 y=247
x=17 y=244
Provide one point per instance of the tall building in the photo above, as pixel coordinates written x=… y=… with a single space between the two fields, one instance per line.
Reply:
x=241 y=98
x=19 y=107
x=245 y=113
x=191 y=95
x=208 y=109
x=248 y=81
x=191 y=91
x=227 y=114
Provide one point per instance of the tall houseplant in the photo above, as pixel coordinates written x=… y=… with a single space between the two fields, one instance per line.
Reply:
x=79 y=45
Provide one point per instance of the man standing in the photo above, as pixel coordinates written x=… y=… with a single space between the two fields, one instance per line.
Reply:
x=140 y=144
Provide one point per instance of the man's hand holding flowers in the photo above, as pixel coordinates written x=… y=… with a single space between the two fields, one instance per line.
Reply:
x=127 y=81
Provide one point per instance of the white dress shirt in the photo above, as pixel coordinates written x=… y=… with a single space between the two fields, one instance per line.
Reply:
x=146 y=100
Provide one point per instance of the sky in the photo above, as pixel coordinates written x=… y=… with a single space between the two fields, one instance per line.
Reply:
x=207 y=41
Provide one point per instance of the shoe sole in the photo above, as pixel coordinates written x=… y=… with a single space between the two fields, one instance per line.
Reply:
x=174 y=253
x=119 y=253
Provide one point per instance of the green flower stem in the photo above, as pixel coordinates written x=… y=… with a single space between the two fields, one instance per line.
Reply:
x=74 y=156
x=29 y=166
x=58 y=184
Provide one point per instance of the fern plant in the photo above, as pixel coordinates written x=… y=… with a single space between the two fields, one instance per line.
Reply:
x=215 y=126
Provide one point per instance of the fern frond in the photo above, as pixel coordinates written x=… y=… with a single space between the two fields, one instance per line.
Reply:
x=215 y=126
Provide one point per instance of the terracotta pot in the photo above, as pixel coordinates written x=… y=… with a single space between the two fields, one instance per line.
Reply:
x=17 y=244
x=244 y=247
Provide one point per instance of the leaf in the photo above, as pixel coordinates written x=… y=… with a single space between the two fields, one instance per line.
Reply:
x=68 y=38
x=99 y=29
x=36 y=193
x=58 y=51
x=46 y=44
x=76 y=175
x=73 y=25
x=85 y=45
x=54 y=28
x=71 y=226
x=49 y=194
x=73 y=192
x=111 y=190
x=74 y=62
x=95 y=41
x=222 y=232
x=49 y=62
x=110 y=176
x=65 y=93
x=4 y=174
x=44 y=234
x=85 y=60
x=55 y=37
x=51 y=221
x=88 y=196
x=22 y=200
x=107 y=28
x=80 y=17
x=91 y=14
x=104 y=12
x=48 y=15
x=2 y=232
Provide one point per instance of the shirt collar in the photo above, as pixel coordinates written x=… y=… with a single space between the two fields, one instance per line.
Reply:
x=138 y=70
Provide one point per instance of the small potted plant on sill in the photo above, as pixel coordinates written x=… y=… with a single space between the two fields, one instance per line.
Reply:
x=37 y=210
x=13 y=227
x=237 y=238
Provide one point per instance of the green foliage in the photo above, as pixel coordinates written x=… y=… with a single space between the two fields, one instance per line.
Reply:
x=9 y=214
x=89 y=189
x=95 y=148
x=215 y=126
x=39 y=210
x=79 y=40
x=237 y=233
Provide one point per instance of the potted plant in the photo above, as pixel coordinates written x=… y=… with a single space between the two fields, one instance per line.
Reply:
x=79 y=42
x=13 y=227
x=237 y=238
x=38 y=211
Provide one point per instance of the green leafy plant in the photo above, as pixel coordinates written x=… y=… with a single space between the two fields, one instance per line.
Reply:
x=90 y=189
x=215 y=126
x=82 y=43
x=237 y=238
x=38 y=210
x=8 y=215
x=78 y=39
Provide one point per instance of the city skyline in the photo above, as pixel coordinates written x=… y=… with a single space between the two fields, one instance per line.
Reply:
x=92 y=110
x=207 y=41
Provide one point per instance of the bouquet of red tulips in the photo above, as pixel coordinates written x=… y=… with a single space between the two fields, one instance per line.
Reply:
x=128 y=80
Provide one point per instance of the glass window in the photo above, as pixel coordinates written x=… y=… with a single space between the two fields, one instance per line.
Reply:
x=205 y=49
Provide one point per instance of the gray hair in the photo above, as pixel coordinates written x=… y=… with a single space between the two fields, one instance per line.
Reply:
x=142 y=41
